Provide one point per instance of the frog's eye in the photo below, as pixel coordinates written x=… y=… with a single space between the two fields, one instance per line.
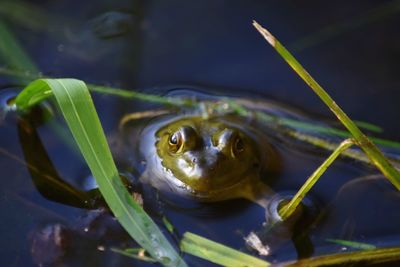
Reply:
x=238 y=145
x=175 y=141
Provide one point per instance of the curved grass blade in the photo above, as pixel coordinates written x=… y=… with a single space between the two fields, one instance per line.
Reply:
x=79 y=112
x=218 y=253
x=290 y=208
x=33 y=94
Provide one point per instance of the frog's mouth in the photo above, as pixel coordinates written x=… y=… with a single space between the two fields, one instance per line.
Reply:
x=226 y=191
x=212 y=172
x=211 y=183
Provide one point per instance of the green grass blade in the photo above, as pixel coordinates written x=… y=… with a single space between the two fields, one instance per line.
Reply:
x=352 y=244
x=140 y=96
x=79 y=112
x=291 y=207
x=373 y=153
x=218 y=253
x=11 y=52
x=369 y=126
x=306 y=126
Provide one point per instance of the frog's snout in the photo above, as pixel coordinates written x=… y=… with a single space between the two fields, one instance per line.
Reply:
x=202 y=165
x=202 y=172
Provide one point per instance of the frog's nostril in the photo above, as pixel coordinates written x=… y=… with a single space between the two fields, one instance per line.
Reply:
x=194 y=160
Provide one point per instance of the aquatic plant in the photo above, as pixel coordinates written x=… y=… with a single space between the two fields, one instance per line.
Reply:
x=373 y=152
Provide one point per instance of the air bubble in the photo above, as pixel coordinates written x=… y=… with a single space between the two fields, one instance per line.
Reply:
x=60 y=48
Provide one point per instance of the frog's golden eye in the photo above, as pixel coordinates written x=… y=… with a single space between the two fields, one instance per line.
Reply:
x=175 y=141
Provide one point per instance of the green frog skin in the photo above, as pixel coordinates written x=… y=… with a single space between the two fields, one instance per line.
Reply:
x=207 y=159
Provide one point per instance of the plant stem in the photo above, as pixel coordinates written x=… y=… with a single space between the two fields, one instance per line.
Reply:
x=373 y=153
x=140 y=96
x=289 y=208
x=32 y=75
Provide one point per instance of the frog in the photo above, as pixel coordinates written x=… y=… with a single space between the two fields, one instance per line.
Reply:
x=206 y=158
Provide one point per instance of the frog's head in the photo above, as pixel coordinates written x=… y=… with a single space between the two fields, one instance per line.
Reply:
x=207 y=155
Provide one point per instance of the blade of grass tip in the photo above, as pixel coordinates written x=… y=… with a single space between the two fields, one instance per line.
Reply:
x=373 y=153
x=33 y=94
x=218 y=253
x=79 y=112
x=289 y=208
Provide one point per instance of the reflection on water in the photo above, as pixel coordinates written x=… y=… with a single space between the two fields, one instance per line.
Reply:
x=360 y=206
x=145 y=44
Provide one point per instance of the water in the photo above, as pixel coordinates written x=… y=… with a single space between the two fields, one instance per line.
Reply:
x=351 y=49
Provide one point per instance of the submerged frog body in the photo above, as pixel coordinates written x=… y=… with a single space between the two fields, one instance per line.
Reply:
x=206 y=158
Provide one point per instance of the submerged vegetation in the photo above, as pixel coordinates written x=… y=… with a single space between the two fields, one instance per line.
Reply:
x=73 y=98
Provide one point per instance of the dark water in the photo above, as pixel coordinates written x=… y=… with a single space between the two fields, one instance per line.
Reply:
x=352 y=48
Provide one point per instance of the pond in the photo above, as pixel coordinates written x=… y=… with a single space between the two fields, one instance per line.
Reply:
x=210 y=47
